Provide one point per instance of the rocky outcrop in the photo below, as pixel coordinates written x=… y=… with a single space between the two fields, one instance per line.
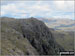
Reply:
x=37 y=38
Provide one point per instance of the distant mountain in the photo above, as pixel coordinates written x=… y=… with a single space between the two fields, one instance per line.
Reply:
x=27 y=37
x=60 y=24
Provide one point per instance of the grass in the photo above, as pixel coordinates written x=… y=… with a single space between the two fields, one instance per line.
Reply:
x=65 y=39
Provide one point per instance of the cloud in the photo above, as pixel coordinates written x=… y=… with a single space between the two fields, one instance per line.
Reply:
x=66 y=6
x=20 y=9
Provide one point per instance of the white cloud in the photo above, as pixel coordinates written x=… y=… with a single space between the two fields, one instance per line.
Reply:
x=18 y=7
x=64 y=16
x=64 y=5
x=38 y=8
x=10 y=8
x=59 y=4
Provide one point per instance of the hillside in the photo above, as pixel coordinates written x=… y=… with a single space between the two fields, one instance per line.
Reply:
x=60 y=24
x=27 y=37
x=65 y=39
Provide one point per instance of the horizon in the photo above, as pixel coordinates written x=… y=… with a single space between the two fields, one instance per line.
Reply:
x=38 y=9
x=40 y=18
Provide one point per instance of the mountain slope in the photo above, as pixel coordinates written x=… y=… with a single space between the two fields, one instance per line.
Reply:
x=60 y=24
x=27 y=37
x=65 y=39
x=13 y=42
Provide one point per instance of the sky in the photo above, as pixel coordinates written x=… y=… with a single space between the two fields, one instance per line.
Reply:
x=42 y=9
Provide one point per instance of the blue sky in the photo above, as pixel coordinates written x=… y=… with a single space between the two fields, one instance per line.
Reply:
x=45 y=9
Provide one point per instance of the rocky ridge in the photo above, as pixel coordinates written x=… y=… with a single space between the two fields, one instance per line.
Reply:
x=27 y=37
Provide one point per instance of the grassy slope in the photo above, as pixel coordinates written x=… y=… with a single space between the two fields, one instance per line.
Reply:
x=16 y=45
x=65 y=39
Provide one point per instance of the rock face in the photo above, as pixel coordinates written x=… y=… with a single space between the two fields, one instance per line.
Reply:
x=28 y=36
